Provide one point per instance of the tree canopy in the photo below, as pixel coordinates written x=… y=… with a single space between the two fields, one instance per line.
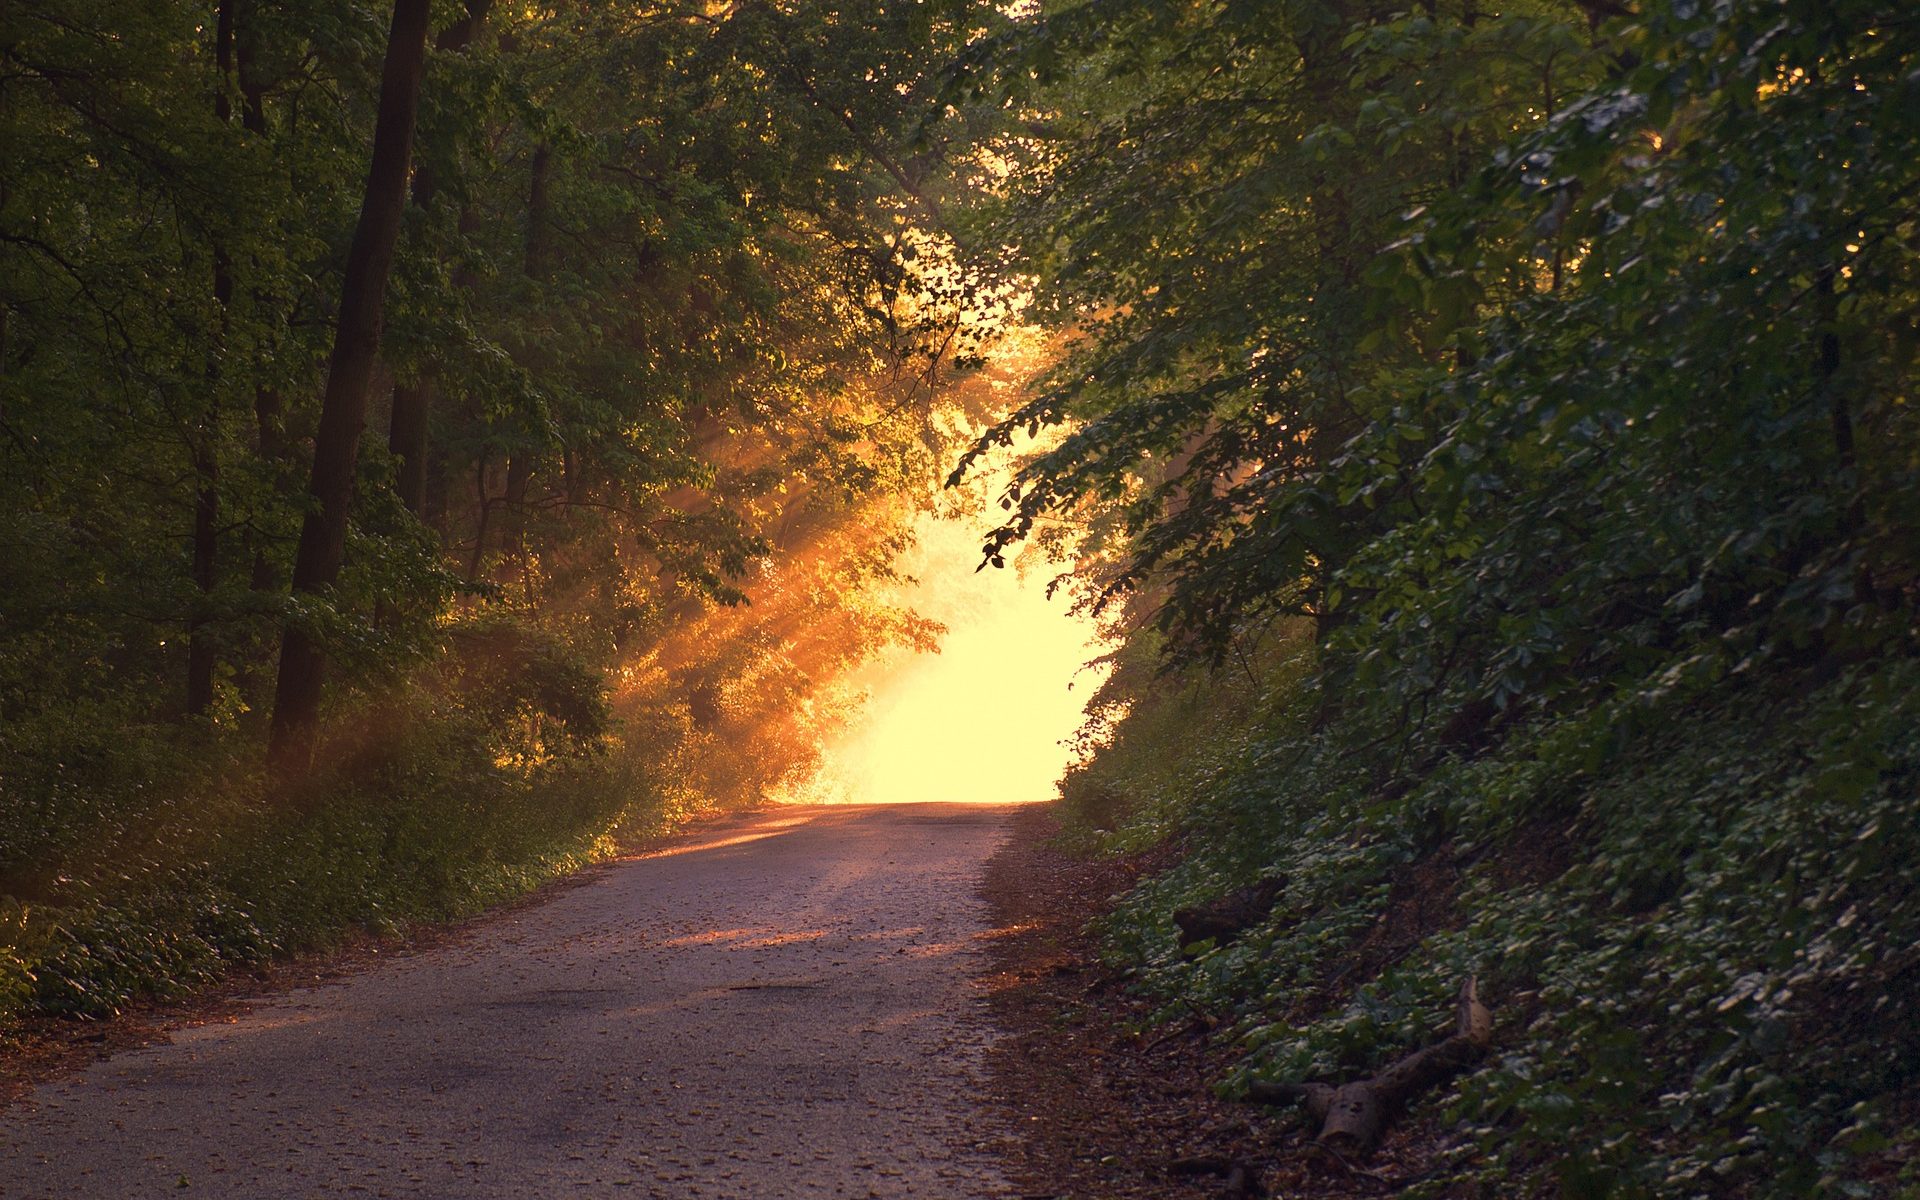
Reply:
x=653 y=296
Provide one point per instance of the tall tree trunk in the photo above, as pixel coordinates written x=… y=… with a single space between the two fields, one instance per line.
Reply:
x=343 y=411
x=269 y=444
x=519 y=473
x=266 y=576
x=1827 y=370
x=407 y=427
x=520 y=462
x=480 y=522
x=201 y=655
x=407 y=438
x=539 y=202
x=520 y=465
x=202 y=658
x=438 y=492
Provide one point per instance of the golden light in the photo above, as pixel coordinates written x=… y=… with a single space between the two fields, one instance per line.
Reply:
x=984 y=720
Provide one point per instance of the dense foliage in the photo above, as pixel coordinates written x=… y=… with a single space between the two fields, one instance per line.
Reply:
x=665 y=327
x=1504 y=422
x=1493 y=427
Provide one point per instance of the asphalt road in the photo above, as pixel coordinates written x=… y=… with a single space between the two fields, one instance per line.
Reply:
x=784 y=1007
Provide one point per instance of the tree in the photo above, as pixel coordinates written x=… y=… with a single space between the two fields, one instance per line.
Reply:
x=659 y=279
x=1199 y=194
x=413 y=400
x=323 y=534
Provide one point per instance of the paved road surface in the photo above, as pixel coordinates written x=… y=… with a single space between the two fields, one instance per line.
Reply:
x=781 y=1009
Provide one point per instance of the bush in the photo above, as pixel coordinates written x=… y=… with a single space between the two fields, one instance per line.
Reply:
x=141 y=861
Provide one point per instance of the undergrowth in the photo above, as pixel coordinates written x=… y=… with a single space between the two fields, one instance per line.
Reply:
x=142 y=859
x=1690 y=907
x=152 y=867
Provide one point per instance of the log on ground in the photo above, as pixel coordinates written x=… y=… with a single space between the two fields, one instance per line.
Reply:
x=1354 y=1116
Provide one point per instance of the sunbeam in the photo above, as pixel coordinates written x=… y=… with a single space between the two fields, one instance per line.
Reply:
x=985 y=720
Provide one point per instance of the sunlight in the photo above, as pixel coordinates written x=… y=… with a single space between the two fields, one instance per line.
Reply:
x=985 y=719
x=759 y=831
x=762 y=938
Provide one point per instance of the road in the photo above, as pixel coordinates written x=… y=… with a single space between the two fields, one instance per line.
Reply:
x=783 y=1007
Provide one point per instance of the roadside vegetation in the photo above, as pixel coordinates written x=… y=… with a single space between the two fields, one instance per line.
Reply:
x=1494 y=434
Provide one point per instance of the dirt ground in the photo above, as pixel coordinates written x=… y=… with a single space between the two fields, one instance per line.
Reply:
x=1107 y=1111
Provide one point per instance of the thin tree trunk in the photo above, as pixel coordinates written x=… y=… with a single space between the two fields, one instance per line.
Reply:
x=267 y=405
x=538 y=202
x=520 y=464
x=519 y=473
x=480 y=523
x=434 y=504
x=412 y=402
x=407 y=438
x=268 y=445
x=1827 y=369
x=202 y=659
x=343 y=411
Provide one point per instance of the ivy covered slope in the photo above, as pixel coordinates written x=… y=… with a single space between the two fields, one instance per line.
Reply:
x=418 y=389
x=1497 y=430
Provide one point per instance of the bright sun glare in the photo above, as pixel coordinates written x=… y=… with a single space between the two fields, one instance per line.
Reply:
x=984 y=720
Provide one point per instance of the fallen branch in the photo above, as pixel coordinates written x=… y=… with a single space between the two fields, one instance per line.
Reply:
x=1353 y=1116
x=1226 y=918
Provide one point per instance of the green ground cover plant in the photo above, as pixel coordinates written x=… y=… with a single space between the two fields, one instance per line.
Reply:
x=1699 y=946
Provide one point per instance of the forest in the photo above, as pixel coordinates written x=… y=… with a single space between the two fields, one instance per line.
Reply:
x=400 y=406
x=442 y=441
